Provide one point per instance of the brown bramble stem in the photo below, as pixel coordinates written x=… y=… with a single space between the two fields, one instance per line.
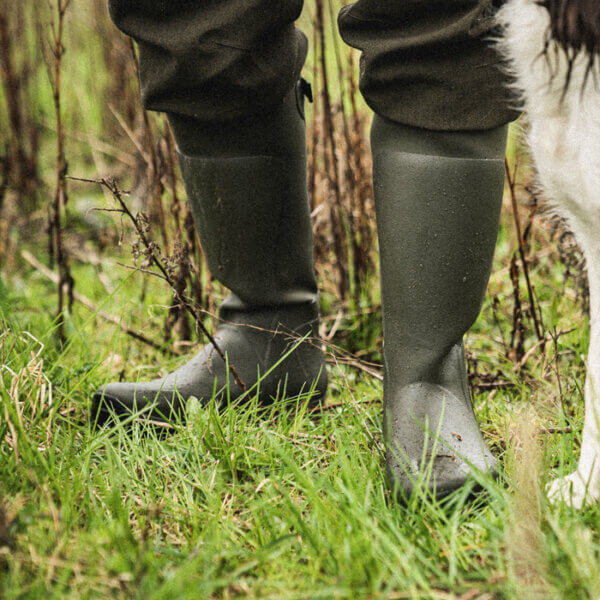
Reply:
x=117 y=194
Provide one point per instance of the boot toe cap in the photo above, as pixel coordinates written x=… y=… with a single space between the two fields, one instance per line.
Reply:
x=433 y=441
x=113 y=399
x=446 y=474
x=125 y=399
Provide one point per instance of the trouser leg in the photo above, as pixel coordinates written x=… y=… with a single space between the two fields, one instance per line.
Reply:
x=214 y=60
x=429 y=63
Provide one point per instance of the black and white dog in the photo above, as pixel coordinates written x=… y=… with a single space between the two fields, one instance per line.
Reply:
x=553 y=49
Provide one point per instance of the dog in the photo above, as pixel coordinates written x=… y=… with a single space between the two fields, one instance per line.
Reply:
x=552 y=49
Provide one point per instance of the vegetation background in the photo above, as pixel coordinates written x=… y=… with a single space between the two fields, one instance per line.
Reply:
x=239 y=503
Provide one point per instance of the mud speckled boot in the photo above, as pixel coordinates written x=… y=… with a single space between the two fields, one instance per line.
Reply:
x=438 y=198
x=246 y=182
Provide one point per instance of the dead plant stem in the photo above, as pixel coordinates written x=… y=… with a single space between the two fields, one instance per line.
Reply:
x=111 y=185
x=522 y=253
x=65 y=282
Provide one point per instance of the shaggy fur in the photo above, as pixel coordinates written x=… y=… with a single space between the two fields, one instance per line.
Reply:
x=552 y=49
x=575 y=24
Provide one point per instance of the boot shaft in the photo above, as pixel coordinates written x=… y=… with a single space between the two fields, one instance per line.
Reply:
x=438 y=197
x=246 y=183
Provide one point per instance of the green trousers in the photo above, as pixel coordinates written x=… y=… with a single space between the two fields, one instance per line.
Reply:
x=425 y=63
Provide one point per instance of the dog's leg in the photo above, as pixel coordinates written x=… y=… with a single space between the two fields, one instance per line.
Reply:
x=583 y=486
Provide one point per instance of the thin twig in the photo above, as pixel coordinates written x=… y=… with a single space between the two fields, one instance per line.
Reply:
x=111 y=185
x=513 y=198
x=326 y=407
x=550 y=430
x=555 y=337
x=493 y=385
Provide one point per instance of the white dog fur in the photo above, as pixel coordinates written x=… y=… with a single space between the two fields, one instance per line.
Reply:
x=564 y=136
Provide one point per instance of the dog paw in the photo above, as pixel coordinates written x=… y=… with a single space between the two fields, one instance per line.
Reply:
x=573 y=490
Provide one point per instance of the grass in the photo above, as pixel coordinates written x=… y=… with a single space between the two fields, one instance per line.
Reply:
x=285 y=503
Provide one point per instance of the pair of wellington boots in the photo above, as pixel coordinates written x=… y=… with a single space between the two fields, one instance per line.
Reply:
x=438 y=198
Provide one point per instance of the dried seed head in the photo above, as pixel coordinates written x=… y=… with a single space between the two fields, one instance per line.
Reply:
x=142 y=222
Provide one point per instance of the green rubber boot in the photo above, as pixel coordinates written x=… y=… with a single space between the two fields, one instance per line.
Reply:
x=438 y=197
x=247 y=187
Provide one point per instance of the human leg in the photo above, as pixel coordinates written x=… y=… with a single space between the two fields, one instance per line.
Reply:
x=246 y=182
x=438 y=142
